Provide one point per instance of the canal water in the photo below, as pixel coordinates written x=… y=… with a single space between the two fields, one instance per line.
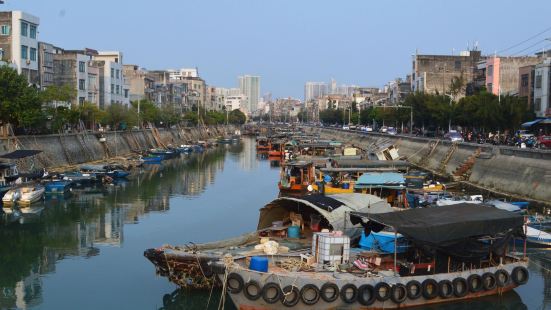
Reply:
x=85 y=251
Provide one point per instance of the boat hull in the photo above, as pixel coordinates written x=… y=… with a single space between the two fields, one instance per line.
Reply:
x=242 y=302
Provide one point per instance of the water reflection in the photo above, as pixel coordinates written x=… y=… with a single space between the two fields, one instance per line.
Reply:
x=34 y=239
x=91 y=221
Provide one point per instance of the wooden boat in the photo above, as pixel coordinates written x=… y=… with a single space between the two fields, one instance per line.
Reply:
x=190 y=265
x=277 y=149
x=388 y=281
x=262 y=144
x=24 y=195
x=297 y=177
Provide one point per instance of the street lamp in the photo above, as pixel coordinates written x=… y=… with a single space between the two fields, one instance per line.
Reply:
x=449 y=116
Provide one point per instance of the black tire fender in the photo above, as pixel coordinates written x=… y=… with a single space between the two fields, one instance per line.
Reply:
x=378 y=288
x=502 y=277
x=475 y=284
x=267 y=288
x=329 y=286
x=247 y=292
x=430 y=289
x=344 y=289
x=414 y=293
x=445 y=289
x=489 y=281
x=363 y=290
x=398 y=293
x=288 y=291
x=305 y=289
x=235 y=277
x=520 y=275
x=456 y=291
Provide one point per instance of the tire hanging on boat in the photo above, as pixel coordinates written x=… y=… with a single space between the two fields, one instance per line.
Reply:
x=489 y=281
x=288 y=291
x=344 y=296
x=502 y=277
x=457 y=283
x=363 y=290
x=247 y=292
x=415 y=289
x=398 y=293
x=265 y=291
x=430 y=289
x=445 y=289
x=475 y=284
x=237 y=278
x=304 y=290
x=329 y=286
x=378 y=287
x=520 y=275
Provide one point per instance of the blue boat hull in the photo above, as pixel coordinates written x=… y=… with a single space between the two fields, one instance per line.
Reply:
x=57 y=187
x=118 y=174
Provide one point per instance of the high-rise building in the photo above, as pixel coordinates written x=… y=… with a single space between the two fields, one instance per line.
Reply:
x=314 y=90
x=250 y=87
x=19 y=42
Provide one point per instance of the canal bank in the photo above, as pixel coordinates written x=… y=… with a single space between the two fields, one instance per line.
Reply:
x=522 y=173
x=76 y=148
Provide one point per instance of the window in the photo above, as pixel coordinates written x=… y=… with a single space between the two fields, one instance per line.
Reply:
x=81 y=66
x=489 y=87
x=33 y=32
x=490 y=71
x=537 y=104
x=33 y=54
x=524 y=80
x=126 y=93
x=112 y=88
x=81 y=84
x=458 y=64
x=24 y=29
x=118 y=90
x=24 y=51
x=538 y=81
x=112 y=72
x=81 y=100
x=117 y=74
x=5 y=30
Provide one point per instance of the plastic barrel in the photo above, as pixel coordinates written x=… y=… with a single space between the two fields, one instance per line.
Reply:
x=259 y=263
x=293 y=232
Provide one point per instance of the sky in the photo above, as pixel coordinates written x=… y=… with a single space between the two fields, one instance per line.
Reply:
x=290 y=42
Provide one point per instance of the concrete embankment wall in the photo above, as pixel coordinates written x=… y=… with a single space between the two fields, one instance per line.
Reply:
x=518 y=172
x=70 y=149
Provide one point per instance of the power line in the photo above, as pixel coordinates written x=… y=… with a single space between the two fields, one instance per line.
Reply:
x=529 y=47
x=530 y=38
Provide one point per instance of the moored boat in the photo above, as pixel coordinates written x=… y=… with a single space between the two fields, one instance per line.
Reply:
x=24 y=195
x=441 y=270
x=57 y=186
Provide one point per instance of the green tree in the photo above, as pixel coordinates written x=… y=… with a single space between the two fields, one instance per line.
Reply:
x=19 y=102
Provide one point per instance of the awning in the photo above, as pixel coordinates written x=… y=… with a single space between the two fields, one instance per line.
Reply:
x=391 y=179
x=445 y=225
x=20 y=154
x=531 y=123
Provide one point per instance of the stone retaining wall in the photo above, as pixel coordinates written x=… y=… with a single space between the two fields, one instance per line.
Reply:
x=69 y=149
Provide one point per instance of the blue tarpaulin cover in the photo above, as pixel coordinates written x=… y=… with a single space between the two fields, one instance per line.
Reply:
x=377 y=179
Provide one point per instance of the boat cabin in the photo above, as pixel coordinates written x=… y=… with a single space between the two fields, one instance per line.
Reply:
x=296 y=177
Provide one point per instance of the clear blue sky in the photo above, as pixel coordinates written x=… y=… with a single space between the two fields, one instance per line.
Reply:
x=288 y=42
